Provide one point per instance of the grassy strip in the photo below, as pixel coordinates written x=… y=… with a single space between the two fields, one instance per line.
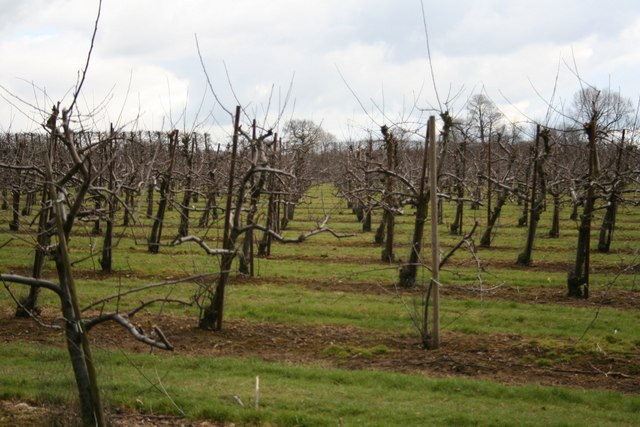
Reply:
x=204 y=388
x=607 y=329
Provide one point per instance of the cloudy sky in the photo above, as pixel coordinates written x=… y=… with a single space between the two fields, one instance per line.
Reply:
x=145 y=71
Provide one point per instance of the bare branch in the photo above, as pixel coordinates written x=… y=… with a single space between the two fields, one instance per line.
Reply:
x=150 y=286
x=322 y=228
x=86 y=66
x=209 y=250
x=122 y=319
x=459 y=244
x=30 y=281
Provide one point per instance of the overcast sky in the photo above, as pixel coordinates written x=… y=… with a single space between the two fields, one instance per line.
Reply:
x=146 y=65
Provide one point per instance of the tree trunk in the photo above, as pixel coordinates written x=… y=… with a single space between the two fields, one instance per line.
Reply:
x=291 y=209
x=284 y=220
x=212 y=315
x=77 y=339
x=30 y=304
x=380 y=231
x=366 y=223
x=14 y=225
x=609 y=220
x=387 y=252
x=409 y=272
x=477 y=197
x=524 y=217
x=537 y=197
x=578 y=278
x=264 y=246
x=574 y=210
x=183 y=229
x=203 y=222
x=150 y=191
x=456 y=226
x=96 y=230
x=156 y=229
x=246 y=260
x=5 y=202
x=189 y=142
x=107 y=242
x=26 y=211
x=554 y=233
x=358 y=211
x=608 y=224
x=485 y=241
x=392 y=159
x=78 y=346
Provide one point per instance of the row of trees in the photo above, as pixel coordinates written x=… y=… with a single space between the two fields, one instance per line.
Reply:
x=589 y=164
x=74 y=180
x=483 y=163
x=76 y=183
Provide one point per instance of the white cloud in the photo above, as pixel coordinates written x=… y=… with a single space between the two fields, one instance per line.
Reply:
x=501 y=46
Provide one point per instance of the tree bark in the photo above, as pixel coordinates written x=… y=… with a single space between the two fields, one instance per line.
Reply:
x=14 y=225
x=183 y=229
x=150 y=191
x=537 y=196
x=409 y=272
x=554 y=233
x=391 y=145
x=30 y=304
x=578 y=277
x=609 y=220
x=380 y=231
x=608 y=224
x=156 y=229
x=485 y=241
x=212 y=315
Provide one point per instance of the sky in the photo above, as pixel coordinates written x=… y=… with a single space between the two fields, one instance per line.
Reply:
x=348 y=65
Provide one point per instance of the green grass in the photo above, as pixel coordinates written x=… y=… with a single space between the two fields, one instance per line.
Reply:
x=204 y=388
x=314 y=395
x=295 y=304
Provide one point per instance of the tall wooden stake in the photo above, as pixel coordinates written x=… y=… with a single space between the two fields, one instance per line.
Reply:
x=435 y=241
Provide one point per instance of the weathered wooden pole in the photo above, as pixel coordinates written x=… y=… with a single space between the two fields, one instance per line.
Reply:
x=435 y=241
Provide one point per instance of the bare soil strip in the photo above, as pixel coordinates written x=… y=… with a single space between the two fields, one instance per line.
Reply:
x=505 y=358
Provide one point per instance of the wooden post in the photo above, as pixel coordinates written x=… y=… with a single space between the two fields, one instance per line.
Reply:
x=435 y=241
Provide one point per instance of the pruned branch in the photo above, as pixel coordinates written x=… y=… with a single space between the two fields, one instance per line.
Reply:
x=209 y=250
x=322 y=228
x=396 y=175
x=122 y=319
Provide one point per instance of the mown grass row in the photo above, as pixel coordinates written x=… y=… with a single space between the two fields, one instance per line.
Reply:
x=211 y=388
